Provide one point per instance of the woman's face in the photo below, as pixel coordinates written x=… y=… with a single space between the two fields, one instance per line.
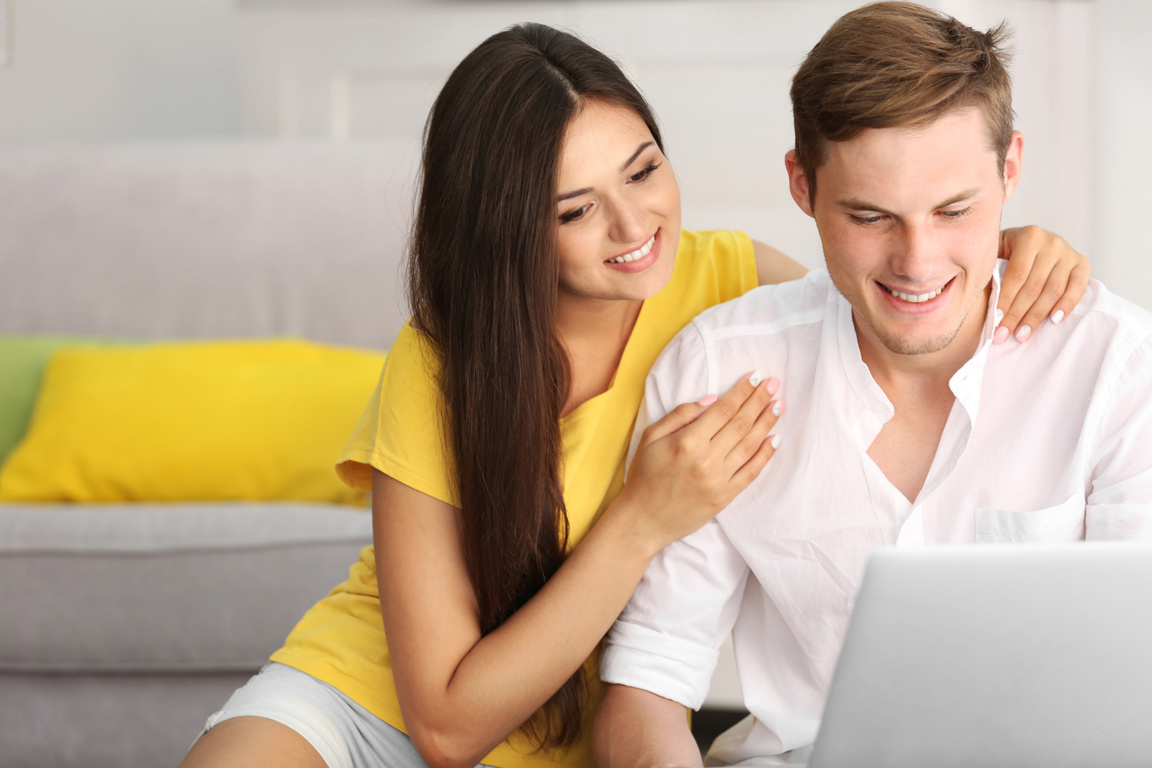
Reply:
x=618 y=206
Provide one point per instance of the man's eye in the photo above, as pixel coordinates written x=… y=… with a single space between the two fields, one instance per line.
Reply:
x=866 y=219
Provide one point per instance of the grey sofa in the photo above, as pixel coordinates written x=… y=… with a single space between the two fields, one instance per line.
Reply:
x=122 y=626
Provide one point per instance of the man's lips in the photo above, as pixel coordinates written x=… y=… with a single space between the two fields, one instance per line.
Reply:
x=914 y=300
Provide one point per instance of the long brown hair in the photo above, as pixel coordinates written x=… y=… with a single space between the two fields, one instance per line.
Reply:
x=483 y=280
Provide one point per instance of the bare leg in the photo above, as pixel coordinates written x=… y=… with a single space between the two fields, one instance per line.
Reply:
x=252 y=742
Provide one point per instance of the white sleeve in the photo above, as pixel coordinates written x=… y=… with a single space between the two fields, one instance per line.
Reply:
x=1119 y=503
x=666 y=640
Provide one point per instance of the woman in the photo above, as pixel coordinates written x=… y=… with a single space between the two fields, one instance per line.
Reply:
x=548 y=270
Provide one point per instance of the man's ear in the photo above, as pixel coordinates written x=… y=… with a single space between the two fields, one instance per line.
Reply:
x=1013 y=162
x=798 y=182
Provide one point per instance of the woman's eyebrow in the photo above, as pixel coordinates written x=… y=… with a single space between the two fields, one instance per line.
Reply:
x=635 y=155
x=624 y=167
x=574 y=193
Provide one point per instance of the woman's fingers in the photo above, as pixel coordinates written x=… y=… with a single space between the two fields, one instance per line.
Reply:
x=741 y=436
x=693 y=461
x=677 y=418
x=733 y=431
x=1045 y=278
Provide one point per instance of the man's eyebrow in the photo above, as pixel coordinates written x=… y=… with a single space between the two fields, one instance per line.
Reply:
x=624 y=167
x=858 y=204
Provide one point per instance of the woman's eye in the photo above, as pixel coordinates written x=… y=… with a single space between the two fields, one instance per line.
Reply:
x=574 y=215
x=645 y=173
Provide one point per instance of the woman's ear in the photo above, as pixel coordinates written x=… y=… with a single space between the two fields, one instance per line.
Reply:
x=798 y=182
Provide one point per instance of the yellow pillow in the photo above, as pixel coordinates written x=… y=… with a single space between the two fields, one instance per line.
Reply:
x=192 y=421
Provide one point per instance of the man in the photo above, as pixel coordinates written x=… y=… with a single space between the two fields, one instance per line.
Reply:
x=905 y=424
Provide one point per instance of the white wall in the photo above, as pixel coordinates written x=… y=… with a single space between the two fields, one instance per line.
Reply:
x=715 y=70
x=119 y=70
x=1122 y=108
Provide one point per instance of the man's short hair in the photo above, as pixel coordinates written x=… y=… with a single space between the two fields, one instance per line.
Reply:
x=898 y=64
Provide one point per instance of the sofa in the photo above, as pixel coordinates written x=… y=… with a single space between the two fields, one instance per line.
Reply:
x=139 y=588
x=257 y=285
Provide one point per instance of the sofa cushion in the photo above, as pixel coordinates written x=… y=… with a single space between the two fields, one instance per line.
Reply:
x=164 y=587
x=219 y=420
x=22 y=360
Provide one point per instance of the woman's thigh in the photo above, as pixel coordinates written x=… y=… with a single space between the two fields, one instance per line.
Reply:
x=285 y=717
x=252 y=741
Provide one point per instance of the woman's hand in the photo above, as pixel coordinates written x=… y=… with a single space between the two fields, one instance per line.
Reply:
x=692 y=462
x=1045 y=278
x=463 y=691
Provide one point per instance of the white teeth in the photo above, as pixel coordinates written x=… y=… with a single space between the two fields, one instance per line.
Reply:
x=639 y=253
x=914 y=298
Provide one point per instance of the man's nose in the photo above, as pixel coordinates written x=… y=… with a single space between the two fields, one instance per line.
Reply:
x=915 y=252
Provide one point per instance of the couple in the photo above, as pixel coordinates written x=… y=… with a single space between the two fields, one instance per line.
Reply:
x=548 y=272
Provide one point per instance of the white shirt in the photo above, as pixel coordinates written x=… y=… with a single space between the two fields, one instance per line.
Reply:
x=1046 y=441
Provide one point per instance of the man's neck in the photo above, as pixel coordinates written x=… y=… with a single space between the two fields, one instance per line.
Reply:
x=918 y=388
x=895 y=370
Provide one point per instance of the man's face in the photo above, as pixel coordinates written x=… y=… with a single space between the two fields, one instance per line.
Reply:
x=909 y=219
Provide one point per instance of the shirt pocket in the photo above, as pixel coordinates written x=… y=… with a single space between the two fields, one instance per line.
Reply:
x=1063 y=522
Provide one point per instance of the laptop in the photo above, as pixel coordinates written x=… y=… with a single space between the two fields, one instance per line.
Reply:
x=1012 y=655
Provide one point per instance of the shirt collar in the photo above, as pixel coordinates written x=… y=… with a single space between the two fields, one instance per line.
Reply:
x=965 y=383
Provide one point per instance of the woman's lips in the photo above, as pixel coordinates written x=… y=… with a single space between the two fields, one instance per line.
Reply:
x=638 y=259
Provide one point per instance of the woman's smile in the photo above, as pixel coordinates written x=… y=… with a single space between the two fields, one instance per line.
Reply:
x=639 y=259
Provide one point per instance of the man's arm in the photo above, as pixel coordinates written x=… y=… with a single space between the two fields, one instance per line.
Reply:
x=638 y=729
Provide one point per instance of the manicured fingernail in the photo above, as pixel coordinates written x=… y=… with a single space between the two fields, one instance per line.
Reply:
x=777 y=408
x=773 y=385
x=707 y=400
x=999 y=316
x=1023 y=333
x=775 y=441
x=1001 y=335
x=755 y=378
x=1057 y=316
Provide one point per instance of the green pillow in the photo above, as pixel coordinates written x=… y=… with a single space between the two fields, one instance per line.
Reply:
x=22 y=361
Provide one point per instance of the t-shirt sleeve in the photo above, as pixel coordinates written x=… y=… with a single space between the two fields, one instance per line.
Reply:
x=400 y=432
x=668 y=637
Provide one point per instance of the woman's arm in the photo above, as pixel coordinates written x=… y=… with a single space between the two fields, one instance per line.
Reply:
x=461 y=693
x=1045 y=278
x=774 y=267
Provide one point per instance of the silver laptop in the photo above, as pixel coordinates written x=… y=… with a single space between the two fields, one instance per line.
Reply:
x=1014 y=655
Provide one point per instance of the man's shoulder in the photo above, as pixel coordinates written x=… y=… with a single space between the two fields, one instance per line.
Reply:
x=1100 y=303
x=771 y=308
x=1107 y=321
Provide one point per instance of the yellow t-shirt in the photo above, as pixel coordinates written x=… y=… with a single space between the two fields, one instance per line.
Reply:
x=341 y=639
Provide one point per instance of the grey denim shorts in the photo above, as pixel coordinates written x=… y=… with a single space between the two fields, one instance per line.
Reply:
x=344 y=733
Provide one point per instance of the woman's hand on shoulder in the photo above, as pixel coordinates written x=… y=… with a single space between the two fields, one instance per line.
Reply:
x=1045 y=278
x=694 y=460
